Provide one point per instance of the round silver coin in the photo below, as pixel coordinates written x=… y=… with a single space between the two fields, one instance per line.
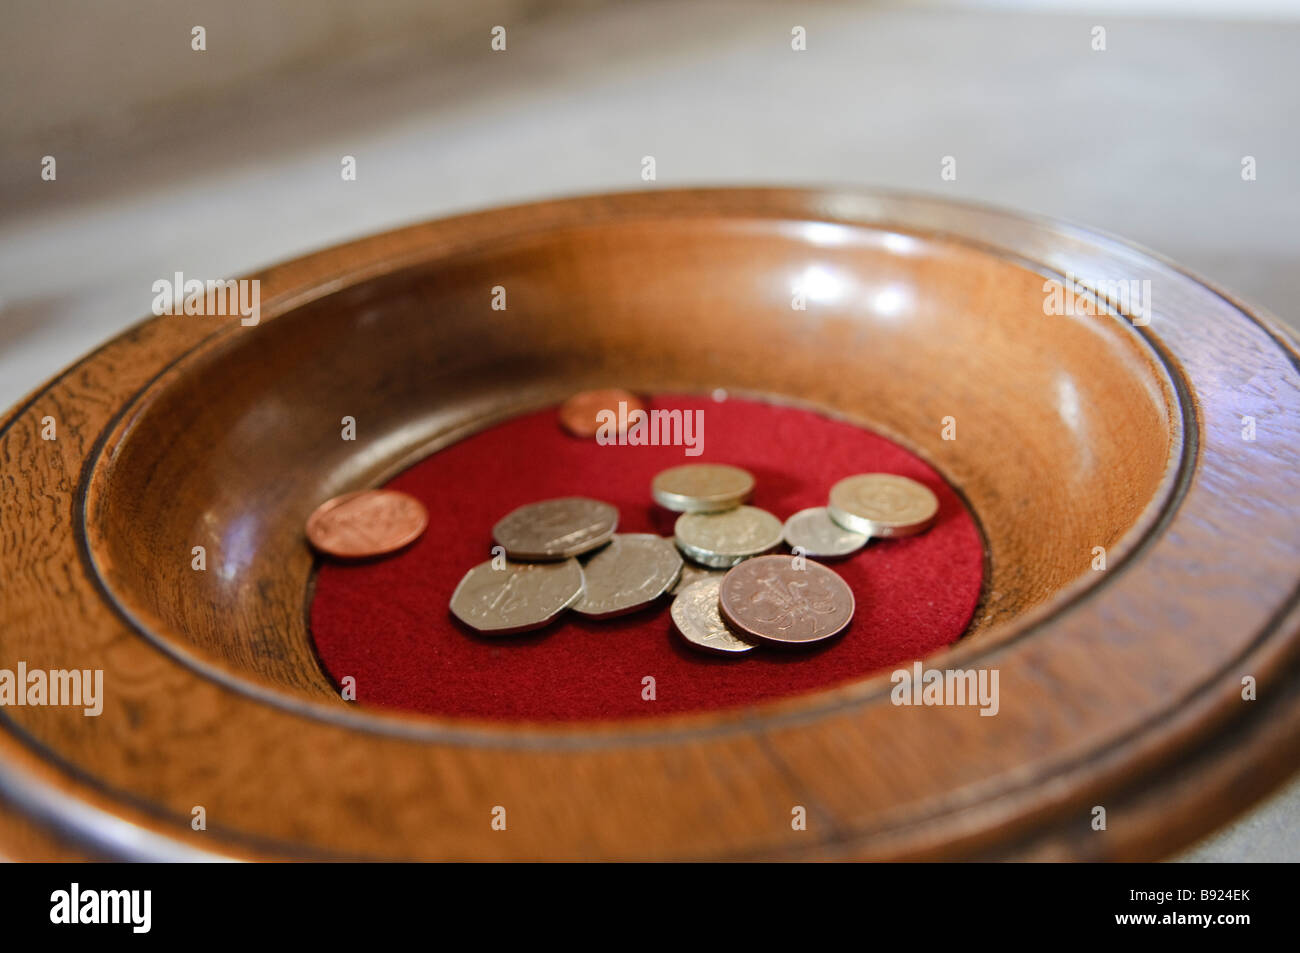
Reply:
x=556 y=529
x=692 y=573
x=883 y=504
x=516 y=598
x=698 y=621
x=814 y=533
x=702 y=487
x=631 y=572
x=722 y=540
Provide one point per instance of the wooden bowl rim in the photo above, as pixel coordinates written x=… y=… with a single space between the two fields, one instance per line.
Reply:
x=379 y=255
x=1156 y=513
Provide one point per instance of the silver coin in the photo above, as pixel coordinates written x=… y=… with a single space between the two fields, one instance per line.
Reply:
x=882 y=504
x=725 y=539
x=556 y=529
x=706 y=559
x=631 y=572
x=702 y=487
x=698 y=621
x=814 y=533
x=516 y=597
x=692 y=573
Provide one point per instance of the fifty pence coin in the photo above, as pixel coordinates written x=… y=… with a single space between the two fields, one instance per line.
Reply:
x=556 y=529
x=883 y=504
x=580 y=415
x=367 y=523
x=767 y=599
x=815 y=534
x=516 y=597
x=720 y=540
x=702 y=487
x=631 y=572
x=692 y=573
x=696 y=618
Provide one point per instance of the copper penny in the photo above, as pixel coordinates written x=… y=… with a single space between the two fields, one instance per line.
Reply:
x=580 y=414
x=367 y=523
x=785 y=601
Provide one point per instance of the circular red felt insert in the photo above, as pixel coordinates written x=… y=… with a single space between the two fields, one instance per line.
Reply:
x=386 y=623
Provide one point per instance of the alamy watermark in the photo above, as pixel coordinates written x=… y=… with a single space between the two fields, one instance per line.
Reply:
x=181 y=295
x=1130 y=297
x=56 y=688
x=651 y=428
x=133 y=908
x=952 y=687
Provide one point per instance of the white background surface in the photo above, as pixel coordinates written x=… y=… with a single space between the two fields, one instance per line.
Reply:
x=219 y=163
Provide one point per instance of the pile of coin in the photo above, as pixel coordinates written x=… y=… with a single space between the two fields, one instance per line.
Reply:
x=563 y=554
x=782 y=601
x=730 y=593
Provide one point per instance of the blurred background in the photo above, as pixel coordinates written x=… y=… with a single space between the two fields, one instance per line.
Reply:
x=217 y=162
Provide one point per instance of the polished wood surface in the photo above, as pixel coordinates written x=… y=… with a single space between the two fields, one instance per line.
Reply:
x=1072 y=432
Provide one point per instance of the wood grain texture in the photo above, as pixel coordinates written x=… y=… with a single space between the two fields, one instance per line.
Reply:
x=1117 y=688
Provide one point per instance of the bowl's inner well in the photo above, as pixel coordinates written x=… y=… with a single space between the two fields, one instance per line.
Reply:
x=1056 y=429
x=384 y=628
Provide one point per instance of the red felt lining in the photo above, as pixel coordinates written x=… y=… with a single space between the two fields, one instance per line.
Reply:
x=386 y=623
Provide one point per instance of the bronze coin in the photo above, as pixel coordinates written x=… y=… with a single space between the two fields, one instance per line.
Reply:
x=366 y=523
x=785 y=601
x=580 y=414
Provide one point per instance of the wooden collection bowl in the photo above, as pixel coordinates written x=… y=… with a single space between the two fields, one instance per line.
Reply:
x=1120 y=687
